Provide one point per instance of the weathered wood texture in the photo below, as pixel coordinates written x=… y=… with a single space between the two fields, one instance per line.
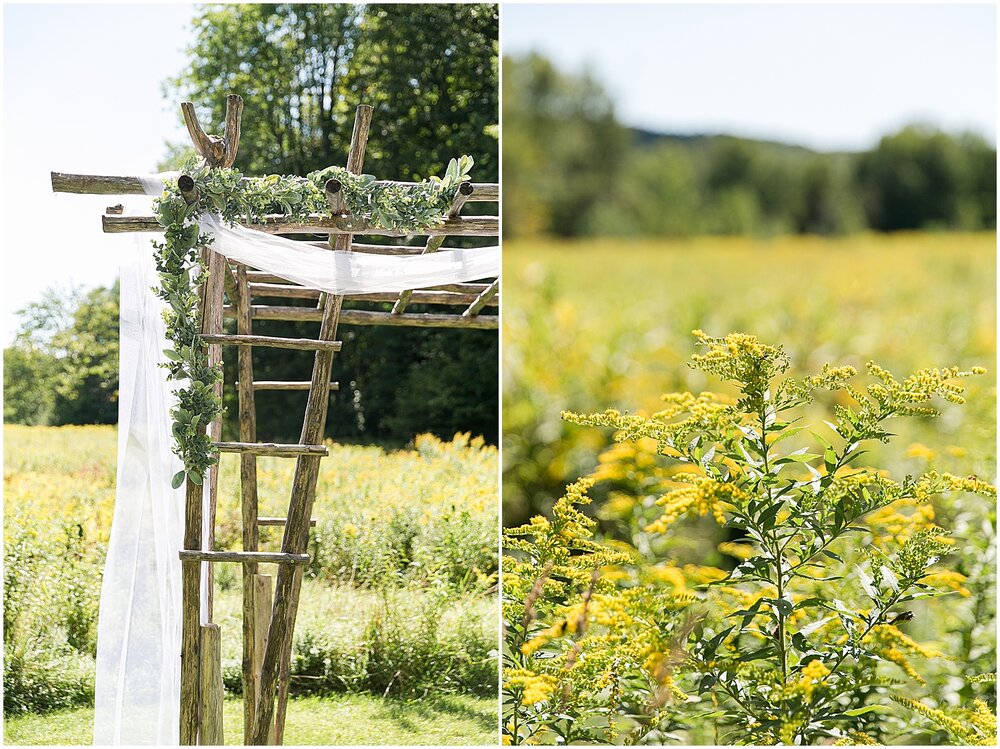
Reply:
x=245 y=557
x=212 y=689
x=273 y=342
x=371 y=317
x=289 y=291
x=263 y=600
x=95 y=184
x=248 y=502
x=212 y=325
x=483 y=299
x=217 y=151
x=281 y=522
x=303 y=494
x=463 y=226
x=284 y=385
x=271 y=448
x=190 y=617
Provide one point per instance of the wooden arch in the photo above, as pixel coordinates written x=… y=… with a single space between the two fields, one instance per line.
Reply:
x=269 y=611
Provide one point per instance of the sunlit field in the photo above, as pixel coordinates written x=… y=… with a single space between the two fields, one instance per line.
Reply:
x=399 y=601
x=607 y=323
x=600 y=324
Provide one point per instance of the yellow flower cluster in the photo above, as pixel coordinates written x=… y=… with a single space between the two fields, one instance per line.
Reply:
x=896 y=646
x=890 y=524
x=740 y=551
x=979 y=727
x=535 y=688
x=738 y=357
x=857 y=738
x=812 y=676
x=948 y=580
x=921 y=386
x=697 y=494
x=831 y=378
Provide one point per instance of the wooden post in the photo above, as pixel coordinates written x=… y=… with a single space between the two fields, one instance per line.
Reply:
x=248 y=504
x=216 y=265
x=296 y=537
x=263 y=601
x=190 y=618
x=211 y=686
x=217 y=151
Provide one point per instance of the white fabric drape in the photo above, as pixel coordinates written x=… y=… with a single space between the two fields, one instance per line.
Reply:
x=137 y=691
x=138 y=639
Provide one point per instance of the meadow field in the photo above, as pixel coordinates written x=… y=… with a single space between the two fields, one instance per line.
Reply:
x=607 y=323
x=398 y=616
x=597 y=324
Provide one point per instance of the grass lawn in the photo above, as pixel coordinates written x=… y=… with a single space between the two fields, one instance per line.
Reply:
x=312 y=721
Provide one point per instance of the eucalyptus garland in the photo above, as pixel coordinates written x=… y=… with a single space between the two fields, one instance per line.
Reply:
x=388 y=205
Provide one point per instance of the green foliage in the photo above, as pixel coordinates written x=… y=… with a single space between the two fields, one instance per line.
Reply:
x=431 y=73
x=182 y=272
x=63 y=365
x=775 y=648
x=572 y=169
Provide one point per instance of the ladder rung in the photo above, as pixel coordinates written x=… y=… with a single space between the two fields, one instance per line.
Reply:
x=270 y=448
x=272 y=342
x=280 y=521
x=265 y=557
x=279 y=385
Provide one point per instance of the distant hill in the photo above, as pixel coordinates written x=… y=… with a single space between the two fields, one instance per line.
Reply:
x=642 y=137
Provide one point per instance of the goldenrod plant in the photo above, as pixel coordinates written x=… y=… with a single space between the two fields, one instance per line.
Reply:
x=802 y=640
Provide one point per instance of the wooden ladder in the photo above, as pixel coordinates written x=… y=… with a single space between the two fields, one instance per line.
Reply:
x=268 y=614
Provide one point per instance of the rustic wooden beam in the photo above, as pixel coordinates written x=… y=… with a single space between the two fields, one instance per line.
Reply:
x=277 y=522
x=190 y=701
x=303 y=494
x=188 y=190
x=248 y=503
x=245 y=557
x=303 y=344
x=417 y=297
x=483 y=299
x=285 y=385
x=212 y=689
x=96 y=184
x=214 y=288
x=217 y=151
x=370 y=317
x=459 y=288
x=462 y=226
x=271 y=448
x=263 y=601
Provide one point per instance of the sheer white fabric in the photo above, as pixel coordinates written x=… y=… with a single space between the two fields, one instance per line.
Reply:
x=138 y=638
x=137 y=691
x=348 y=272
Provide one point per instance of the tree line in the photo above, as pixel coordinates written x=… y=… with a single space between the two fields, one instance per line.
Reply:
x=572 y=169
x=431 y=74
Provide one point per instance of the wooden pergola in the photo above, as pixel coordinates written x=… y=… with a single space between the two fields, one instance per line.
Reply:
x=236 y=291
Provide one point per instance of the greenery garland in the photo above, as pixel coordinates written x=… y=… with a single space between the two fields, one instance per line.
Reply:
x=388 y=205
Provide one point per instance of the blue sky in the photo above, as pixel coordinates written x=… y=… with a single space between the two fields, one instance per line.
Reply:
x=81 y=94
x=827 y=76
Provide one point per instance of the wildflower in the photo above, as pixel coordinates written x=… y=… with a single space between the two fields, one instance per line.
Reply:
x=919 y=450
x=698 y=494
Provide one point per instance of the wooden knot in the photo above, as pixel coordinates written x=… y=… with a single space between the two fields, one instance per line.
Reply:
x=217 y=151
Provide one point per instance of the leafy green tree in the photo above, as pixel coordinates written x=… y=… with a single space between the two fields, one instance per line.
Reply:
x=63 y=365
x=562 y=148
x=430 y=72
x=923 y=178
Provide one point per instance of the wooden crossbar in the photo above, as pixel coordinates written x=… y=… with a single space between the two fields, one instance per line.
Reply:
x=96 y=184
x=246 y=557
x=273 y=342
x=462 y=226
x=283 y=385
x=271 y=448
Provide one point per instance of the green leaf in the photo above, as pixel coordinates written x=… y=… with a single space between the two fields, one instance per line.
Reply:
x=177 y=480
